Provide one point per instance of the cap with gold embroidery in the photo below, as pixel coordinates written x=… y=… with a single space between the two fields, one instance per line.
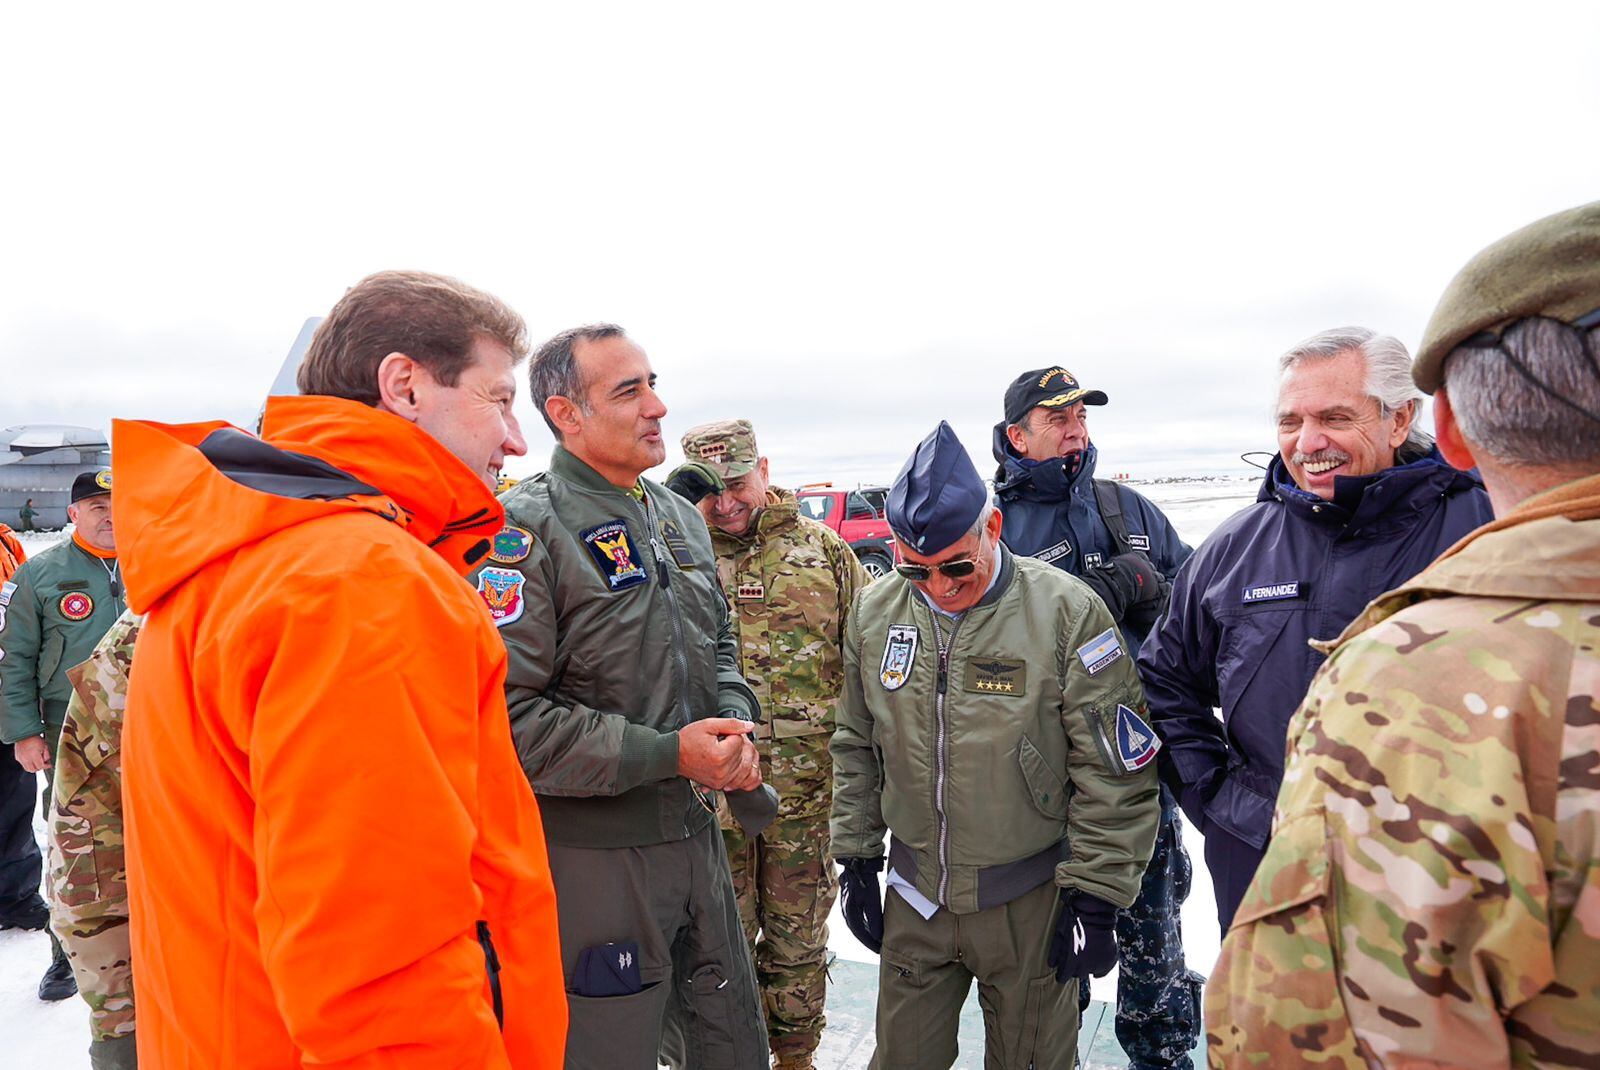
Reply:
x=91 y=484
x=727 y=447
x=1050 y=387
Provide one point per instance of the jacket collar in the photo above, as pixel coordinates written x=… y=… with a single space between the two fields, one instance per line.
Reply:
x=1417 y=474
x=1546 y=549
x=567 y=465
x=1046 y=481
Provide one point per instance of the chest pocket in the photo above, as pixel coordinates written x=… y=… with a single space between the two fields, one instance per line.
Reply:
x=788 y=613
x=1258 y=667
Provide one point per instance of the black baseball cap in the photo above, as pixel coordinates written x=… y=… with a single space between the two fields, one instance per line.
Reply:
x=1050 y=387
x=91 y=484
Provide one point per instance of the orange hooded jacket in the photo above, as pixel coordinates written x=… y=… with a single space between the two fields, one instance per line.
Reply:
x=323 y=800
x=12 y=555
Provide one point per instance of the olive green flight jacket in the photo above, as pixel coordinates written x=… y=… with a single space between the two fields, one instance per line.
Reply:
x=618 y=635
x=1002 y=750
x=52 y=613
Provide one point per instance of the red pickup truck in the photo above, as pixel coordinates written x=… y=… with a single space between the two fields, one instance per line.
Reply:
x=857 y=515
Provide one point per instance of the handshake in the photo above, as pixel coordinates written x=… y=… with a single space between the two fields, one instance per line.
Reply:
x=717 y=752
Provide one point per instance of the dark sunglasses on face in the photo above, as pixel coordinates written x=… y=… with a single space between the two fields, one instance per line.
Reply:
x=954 y=570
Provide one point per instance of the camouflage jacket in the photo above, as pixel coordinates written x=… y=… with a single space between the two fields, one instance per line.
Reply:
x=790 y=581
x=88 y=871
x=1431 y=893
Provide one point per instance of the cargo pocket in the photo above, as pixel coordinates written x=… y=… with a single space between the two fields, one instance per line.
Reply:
x=1049 y=1012
x=717 y=1024
x=616 y=1032
x=1046 y=788
x=901 y=996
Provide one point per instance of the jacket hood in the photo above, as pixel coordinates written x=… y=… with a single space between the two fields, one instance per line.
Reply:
x=1547 y=548
x=1046 y=481
x=1418 y=472
x=191 y=494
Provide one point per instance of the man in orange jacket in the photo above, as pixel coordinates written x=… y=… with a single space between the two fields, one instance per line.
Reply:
x=333 y=855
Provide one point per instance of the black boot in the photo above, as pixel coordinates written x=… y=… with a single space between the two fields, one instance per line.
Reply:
x=28 y=914
x=58 y=982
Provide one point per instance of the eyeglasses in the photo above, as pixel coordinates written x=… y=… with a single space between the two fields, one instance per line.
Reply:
x=954 y=570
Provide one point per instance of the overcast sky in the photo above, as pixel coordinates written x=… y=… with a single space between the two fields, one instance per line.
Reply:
x=844 y=222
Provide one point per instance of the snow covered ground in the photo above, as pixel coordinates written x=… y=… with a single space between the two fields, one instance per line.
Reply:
x=54 y=1036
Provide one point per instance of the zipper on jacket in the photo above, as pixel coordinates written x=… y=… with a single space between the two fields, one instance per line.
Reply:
x=941 y=736
x=674 y=611
x=491 y=963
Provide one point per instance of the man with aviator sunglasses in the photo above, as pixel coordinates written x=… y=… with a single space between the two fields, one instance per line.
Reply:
x=992 y=723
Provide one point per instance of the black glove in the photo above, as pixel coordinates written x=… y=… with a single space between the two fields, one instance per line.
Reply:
x=1142 y=616
x=693 y=481
x=863 y=900
x=1125 y=582
x=1085 y=942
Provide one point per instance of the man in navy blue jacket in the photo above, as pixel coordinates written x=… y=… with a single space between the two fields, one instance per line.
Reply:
x=1122 y=546
x=1357 y=501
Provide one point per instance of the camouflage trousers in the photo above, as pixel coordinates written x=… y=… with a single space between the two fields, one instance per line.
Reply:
x=786 y=888
x=101 y=962
x=1158 y=996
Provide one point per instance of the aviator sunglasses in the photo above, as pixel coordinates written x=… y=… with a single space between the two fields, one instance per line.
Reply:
x=954 y=570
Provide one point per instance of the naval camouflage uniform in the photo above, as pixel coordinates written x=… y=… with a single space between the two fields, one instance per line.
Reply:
x=790 y=582
x=88 y=870
x=1431 y=893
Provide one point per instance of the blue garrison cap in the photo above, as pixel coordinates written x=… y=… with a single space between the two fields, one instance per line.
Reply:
x=937 y=496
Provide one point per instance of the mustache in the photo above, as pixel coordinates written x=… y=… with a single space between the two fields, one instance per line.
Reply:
x=1320 y=457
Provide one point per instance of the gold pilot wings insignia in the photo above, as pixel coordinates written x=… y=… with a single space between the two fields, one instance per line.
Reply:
x=899 y=652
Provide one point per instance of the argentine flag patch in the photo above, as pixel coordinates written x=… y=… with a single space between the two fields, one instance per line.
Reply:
x=1137 y=743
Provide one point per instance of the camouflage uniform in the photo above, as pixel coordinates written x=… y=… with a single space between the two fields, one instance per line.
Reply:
x=790 y=581
x=88 y=873
x=1431 y=893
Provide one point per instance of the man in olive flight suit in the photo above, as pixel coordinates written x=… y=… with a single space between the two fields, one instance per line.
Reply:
x=790 y=581
x=52 y=613
x=992 y=722
x=626 y=705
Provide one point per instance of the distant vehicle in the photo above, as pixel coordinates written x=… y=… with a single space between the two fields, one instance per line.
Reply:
x=858 y=516
x=505 y=484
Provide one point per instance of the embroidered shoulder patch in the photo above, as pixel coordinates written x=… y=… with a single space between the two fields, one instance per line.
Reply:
x=510 y=545
x=899 y=652
x=1100 y=651
x=1271 y=592
x=615 y=554
x=6 y=589
x=996 y=676
x=76 y=605
x=1137 y=743
x=501 y=589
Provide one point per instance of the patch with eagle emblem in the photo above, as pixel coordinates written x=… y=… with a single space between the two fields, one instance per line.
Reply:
x=501 y=589
x=614 y=554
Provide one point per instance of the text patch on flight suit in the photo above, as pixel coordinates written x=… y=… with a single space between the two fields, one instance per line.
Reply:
x=677 y=545
x=997 y=676
x=614 y=554
x=1271 y=592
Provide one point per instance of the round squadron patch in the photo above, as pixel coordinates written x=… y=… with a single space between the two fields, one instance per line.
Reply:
x=510 y=545
x=75 y=605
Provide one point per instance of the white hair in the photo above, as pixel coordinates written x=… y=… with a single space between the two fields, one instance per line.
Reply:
x=1389 y=380
x=1514 y=421
x=984 y=514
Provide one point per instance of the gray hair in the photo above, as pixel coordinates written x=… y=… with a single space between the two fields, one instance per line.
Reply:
x=984 y=514
x=554 y=371
x=1511 y=419
x=1389 y=380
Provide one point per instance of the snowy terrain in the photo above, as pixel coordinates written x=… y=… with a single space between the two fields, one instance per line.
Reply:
x=54 y=1036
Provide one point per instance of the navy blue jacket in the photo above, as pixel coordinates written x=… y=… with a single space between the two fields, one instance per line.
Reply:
x=1290 y=568
x=1057 y=519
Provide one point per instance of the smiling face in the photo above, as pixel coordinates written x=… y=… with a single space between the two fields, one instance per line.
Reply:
x=734 y=510
x=617 y=430
x=1051 y=432
x=473 y=418
x=1329 y=426
x=959 y=595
